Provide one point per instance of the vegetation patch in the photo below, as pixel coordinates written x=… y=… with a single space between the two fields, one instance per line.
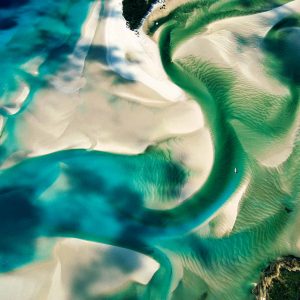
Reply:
x=280 y=280
x=134 y=11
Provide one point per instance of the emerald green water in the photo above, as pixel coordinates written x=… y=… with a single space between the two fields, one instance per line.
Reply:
x=105 y=197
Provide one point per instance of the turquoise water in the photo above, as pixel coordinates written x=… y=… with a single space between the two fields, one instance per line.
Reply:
x=107 y=197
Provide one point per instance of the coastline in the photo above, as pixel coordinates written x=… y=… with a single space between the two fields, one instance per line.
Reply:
x=280 y=280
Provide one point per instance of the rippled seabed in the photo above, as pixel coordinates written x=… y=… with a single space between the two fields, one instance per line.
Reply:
x=156 y=164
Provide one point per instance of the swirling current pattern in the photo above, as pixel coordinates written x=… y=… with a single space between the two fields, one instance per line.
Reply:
x=161 y=163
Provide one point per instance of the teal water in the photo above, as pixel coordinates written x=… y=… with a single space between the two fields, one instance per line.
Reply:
x=105 y=197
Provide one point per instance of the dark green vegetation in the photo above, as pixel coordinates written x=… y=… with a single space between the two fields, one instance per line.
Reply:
x=286 y=288
x=135 y=10
x=280 y=280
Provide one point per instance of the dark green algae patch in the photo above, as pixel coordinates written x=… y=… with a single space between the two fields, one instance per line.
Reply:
x=280 y=280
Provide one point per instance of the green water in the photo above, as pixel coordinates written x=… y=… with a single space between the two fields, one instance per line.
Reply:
x=103 y=197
